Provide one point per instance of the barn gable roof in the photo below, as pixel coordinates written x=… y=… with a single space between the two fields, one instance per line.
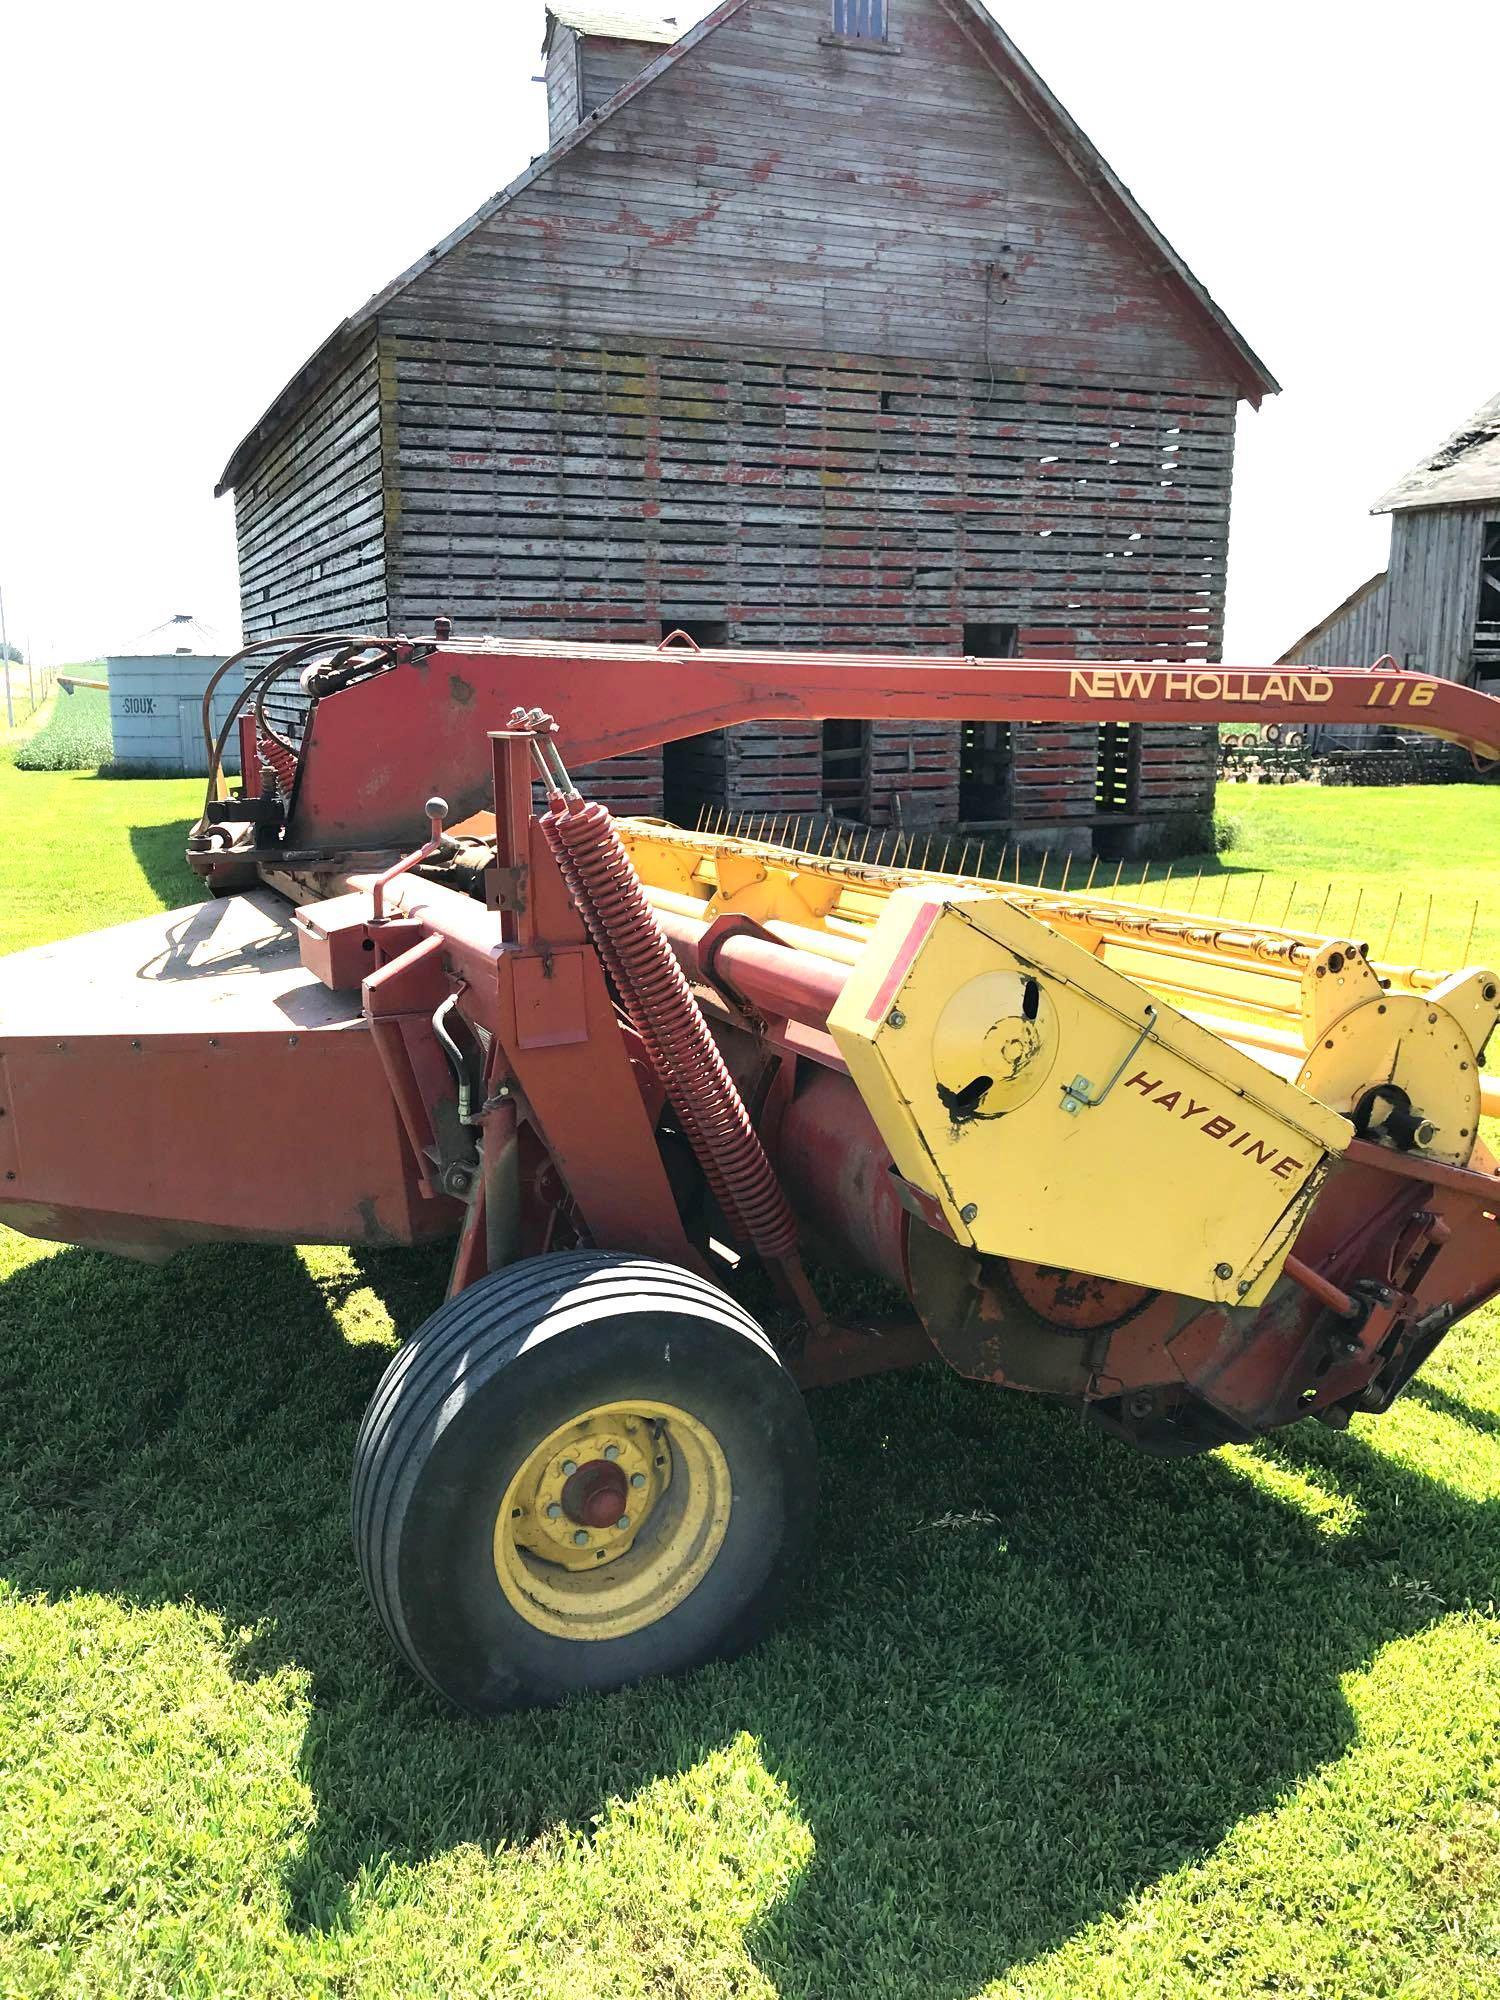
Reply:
x=619 y=22
x=1464 y=470
x=1298 y=647
x=992 y=45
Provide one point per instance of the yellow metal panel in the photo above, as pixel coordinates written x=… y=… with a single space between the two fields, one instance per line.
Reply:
x=1260 y=979
x=1059 y=1114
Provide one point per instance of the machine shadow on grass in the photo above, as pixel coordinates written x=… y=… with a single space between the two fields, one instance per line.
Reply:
x=159 y=853
x=1028 y=1674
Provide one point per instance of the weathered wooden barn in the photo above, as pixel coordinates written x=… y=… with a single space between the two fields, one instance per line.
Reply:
x=821 y=323
x=1436 y=606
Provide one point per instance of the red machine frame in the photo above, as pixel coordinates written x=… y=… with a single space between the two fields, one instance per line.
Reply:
x=530 y=1112
x=421 y=725
x=589 y=1127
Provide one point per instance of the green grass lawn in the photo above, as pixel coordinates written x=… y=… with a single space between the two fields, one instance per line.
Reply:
x=1391 y=865
x=1048 y=1720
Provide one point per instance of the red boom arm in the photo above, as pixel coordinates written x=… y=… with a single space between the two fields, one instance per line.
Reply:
x=422 y=726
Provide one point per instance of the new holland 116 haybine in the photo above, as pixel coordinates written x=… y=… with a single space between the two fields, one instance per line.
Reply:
x=1199 y=1179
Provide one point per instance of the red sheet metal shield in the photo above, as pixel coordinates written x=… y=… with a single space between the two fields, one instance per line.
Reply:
x=183 y=1079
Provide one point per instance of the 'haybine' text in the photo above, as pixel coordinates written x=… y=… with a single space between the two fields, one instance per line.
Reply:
x=1215 y=1125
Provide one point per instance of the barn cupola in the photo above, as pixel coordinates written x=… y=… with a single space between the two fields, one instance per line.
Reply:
x=594 y=49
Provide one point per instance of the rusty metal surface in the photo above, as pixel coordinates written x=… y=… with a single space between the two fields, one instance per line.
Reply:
x=1074 y=1301
x=1176 y=1375
x=838 y=1174
x=845 y=1353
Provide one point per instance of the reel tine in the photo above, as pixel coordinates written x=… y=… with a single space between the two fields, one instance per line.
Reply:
x=1391 y=933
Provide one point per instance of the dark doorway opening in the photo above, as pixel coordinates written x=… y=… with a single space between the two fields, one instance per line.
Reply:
x=693 y=769
x=845 y=763
x=1486 y=660
x=986 y=753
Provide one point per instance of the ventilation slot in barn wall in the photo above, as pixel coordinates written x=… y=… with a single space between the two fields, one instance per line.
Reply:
x=1118 y=771
x=693 y=767
x=862 y=20
x=986 y=756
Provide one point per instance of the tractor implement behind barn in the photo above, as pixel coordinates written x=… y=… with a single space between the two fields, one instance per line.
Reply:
x=1199 y=1179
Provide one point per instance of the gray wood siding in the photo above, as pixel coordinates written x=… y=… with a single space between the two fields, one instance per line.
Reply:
x=562 y=84
x=1434 y=587
x=608 y=65
x=309 y=514
x=1425 y=611
x=773 y=191
x=546 y=484
x=826 y=345
x=1357 y=637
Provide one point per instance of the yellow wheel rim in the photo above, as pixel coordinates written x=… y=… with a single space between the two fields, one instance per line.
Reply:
x=613 y=1520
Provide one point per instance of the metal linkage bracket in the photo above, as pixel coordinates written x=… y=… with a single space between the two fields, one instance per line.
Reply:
x=1076 y=1098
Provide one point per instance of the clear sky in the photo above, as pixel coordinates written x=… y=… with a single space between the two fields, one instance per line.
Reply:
x=192 y=197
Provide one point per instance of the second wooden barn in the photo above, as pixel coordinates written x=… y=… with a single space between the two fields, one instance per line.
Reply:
x=820 y=325
x=1435 y=607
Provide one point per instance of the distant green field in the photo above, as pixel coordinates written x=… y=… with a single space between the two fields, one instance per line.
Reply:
x=75 y=736
x=1050 y=1721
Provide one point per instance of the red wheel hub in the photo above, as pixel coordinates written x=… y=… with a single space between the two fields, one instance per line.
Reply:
x=594 y=1496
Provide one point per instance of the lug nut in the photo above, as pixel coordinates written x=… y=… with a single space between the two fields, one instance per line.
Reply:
x=637 y=1480
x=570 y=1465
x=611 y=1451
x=623 y=1522
x=554 y=1512
x=581 y=1538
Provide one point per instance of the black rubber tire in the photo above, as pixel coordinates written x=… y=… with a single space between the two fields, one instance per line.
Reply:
x=492 y=1374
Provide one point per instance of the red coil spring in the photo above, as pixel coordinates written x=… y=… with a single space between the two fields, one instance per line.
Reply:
x=655 y=995
x=278 y=760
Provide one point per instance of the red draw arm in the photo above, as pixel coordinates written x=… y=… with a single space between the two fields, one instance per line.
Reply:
x=373 y=748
